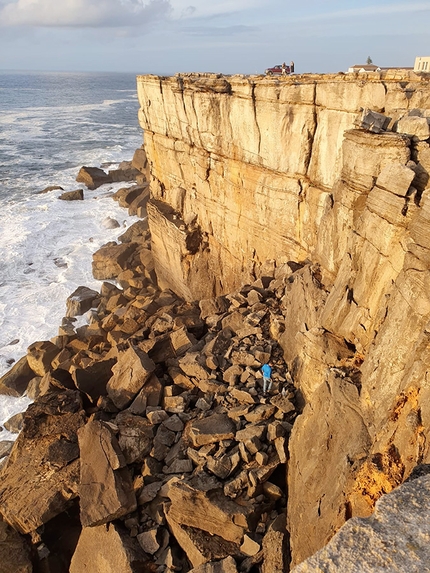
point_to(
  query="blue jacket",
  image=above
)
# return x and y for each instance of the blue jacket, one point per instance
(267, 371)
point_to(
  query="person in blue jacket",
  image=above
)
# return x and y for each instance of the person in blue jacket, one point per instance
(266, 369)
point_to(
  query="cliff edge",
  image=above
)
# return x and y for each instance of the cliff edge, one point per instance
(251, 173)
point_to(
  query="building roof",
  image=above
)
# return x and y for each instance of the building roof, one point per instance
(368, 67)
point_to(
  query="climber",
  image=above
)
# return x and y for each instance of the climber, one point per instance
(266, 369)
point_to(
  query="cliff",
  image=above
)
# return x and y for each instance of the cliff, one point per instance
(252, 175)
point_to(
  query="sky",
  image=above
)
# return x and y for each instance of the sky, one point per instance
(224, 36)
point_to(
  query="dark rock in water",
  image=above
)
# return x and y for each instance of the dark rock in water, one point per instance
(110, 223)
(15, 382)
(77, 195)
(50, 188)
(5, 447)
(93, 177)
(81, 300)
(139, 160)
(14, 424)
(60, 263)
(125, 172)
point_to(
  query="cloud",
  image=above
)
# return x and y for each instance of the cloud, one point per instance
(369, 11)
(82, 13)
(206, 31)
(209, 8)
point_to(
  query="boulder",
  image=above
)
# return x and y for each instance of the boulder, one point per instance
(42, 472)
(199, 546)
(111, 259)
(81, 300)
(126, 195)
(77, 195)
(5, 447)
(40, 356)
(214, 428)
(14, 551)
(93, 177)
(125, 172)
(139, 160)
(417, 127)
(107, 548)
(16, 380)
(110, 223)
(373, 121)
(275, 547)
(227, 565)
(105, 488)
(202, 505)
(135, 437)
(14, 424)
(93, 379)
(130, 373)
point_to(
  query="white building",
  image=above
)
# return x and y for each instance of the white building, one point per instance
(422, 64)
(362, 68)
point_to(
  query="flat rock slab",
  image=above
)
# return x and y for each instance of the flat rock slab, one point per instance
(105, 490)
(210, 511)
(109, 549)
(42, 472)
(212, 429)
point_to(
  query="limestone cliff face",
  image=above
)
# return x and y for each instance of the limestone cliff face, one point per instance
(248, 169)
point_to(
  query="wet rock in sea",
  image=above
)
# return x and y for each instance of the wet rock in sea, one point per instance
(14, 424)
(77, 195)
(93, 177)
(16, 380)
(81, 300)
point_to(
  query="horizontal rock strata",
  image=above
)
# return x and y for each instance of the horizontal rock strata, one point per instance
(328, 173)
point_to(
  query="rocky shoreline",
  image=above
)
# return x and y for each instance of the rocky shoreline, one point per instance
(150, 445)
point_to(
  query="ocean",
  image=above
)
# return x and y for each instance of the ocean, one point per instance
(51, 124)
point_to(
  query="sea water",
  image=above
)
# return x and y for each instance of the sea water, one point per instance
(51, 124)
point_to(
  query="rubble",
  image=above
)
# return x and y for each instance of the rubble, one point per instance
(151, 418)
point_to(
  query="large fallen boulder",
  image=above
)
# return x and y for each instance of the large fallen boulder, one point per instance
(105, 488)
(111, 259)
(93, 177)
(42, 472)
(107, 548)
(16, 380)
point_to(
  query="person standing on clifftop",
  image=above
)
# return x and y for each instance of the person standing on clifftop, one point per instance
(284, 69)
(266, 369)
